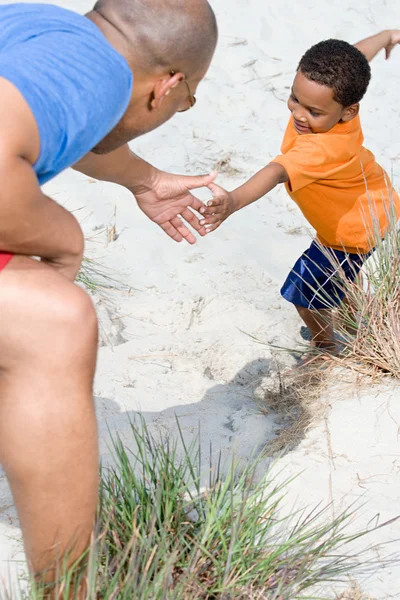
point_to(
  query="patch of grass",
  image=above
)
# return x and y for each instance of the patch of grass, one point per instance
(368, 321)
(97, 278)
(295, 396)
(161, 536)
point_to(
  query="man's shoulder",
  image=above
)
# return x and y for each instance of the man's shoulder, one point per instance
(59, 56)
(21, 21)
(39, 11)
(75, 83)
(59, 31)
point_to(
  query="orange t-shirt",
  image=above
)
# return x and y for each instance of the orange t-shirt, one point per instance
(337, 184)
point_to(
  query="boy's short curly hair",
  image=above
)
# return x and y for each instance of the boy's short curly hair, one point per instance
(340, 66)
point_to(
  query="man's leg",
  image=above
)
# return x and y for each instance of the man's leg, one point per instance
(48, 435)
(321, 327)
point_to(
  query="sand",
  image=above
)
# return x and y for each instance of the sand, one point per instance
(181, 341)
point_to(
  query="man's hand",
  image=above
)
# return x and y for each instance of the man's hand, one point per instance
(167, 201)
(161, 196)
(218, 209)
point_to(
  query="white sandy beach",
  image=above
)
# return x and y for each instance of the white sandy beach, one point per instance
(180, 343)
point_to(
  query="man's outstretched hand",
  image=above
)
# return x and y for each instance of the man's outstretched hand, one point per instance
(167, 200)
(163, 197)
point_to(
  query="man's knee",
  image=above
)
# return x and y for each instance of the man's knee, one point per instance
(69, 307)
(43, 313)
(73, 315)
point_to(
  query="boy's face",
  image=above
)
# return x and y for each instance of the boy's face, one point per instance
(313, 108)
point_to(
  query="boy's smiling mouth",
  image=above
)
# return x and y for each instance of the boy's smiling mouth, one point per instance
(301, 127)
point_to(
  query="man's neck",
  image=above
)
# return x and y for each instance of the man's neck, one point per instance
(110, 31)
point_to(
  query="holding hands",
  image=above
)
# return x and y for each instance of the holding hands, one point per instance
(225, 203)
(167, 201)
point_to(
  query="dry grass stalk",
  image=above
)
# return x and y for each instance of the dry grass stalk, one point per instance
(376, 345)
(296, 396)
(224, 165)
(354, 593)
(368, 321)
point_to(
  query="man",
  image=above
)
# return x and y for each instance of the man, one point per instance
(70, 85)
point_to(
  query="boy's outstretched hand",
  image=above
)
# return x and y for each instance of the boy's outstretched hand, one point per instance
(218, 209)
(394, 40)
(387, 40)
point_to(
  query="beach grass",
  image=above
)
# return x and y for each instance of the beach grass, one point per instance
(163, 535)
(97, 278)
(368, 321)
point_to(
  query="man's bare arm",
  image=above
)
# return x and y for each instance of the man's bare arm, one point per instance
(165, 198)
(384, 40)
(30, 222)
(121, 166)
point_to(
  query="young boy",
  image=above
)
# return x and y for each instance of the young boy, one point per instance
(334, 180)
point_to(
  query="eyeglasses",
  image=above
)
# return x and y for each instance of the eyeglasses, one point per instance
(191, 97)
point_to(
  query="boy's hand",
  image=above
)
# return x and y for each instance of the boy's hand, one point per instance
(387, 39)
(218, 209)
(394, 40)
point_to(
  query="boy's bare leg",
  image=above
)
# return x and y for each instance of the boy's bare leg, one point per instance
(320, 325)
(48, 435)
(347, 319)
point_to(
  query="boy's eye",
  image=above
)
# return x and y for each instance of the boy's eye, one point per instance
(314, 114)
(293, 98)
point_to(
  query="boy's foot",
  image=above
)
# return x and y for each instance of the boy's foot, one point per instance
(312, 359)
(339, 345)
(305, 333)
(316, 356)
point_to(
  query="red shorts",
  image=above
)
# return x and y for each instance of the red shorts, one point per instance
(5, 258)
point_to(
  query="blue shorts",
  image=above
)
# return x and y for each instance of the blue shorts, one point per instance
(314, 282)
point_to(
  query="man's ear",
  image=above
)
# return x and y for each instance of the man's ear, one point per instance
(350, 112)
(162, 88)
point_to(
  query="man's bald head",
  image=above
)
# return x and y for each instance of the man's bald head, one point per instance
(168, 45)
(178, 35)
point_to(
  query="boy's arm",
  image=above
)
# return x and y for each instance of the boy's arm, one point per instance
(225, 203)
(372, 45)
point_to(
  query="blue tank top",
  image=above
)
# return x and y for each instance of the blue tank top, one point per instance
(77, 86)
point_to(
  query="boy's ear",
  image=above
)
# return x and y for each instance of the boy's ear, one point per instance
(162, 88)
(350, 112)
